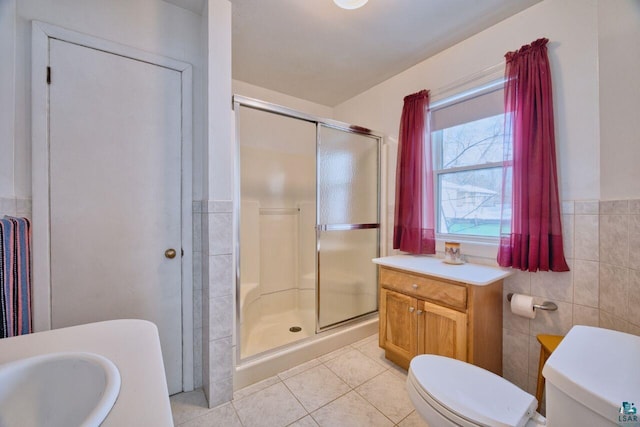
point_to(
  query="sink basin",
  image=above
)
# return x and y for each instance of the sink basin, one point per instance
(58, 389)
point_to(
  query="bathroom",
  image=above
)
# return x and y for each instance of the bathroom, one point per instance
(596, 128)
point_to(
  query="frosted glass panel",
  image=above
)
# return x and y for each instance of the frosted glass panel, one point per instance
(348, 279)
(277, 159)
(347, 177)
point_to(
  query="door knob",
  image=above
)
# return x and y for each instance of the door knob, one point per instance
(170, 253)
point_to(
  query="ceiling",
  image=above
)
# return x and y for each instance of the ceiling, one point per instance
(312, 49)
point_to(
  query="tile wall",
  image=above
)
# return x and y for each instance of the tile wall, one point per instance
(15, 207)
(217, 299)
(602, 247)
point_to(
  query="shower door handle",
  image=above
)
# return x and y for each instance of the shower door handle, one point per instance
(345, 227)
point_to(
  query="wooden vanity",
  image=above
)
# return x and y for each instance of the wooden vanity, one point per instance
(429, 307)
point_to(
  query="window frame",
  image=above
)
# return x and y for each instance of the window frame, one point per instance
(436, 146)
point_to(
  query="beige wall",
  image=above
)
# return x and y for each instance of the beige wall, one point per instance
(594, 56)
(571, 26)
(304, 106)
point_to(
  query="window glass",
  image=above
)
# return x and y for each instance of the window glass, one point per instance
(468, 164)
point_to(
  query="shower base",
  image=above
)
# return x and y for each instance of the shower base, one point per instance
(273, 331)
(265, 365)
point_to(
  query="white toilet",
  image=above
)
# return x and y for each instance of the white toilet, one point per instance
(589, 377)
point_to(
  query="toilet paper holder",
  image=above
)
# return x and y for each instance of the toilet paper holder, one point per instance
(547, 305)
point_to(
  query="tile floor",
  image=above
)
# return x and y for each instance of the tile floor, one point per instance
(350, 387)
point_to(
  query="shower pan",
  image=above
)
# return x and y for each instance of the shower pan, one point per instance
(307, 226)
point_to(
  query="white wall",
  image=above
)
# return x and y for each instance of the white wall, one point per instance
(618, 39)
(220, 119)
(571, 26)
(7, 96)
(150, 25)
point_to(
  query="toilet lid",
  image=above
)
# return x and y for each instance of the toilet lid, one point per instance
(472, 392)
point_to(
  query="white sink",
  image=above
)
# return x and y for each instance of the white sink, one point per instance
(58, 389)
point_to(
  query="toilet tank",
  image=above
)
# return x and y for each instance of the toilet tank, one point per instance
(593, 379)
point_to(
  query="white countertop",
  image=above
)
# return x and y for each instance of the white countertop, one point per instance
(473, 274)
(132, 345)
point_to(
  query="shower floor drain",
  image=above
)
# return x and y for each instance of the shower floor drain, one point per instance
(295, 329)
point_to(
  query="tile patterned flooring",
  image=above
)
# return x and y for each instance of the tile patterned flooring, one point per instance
(350, 387)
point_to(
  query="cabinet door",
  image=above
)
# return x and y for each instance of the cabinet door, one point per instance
(442, 331)
(398, 323)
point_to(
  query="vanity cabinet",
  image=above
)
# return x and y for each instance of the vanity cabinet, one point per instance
(422, 314)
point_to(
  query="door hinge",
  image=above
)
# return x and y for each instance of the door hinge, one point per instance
(48, 75)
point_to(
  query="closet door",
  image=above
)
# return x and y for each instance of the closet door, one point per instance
(115, 193)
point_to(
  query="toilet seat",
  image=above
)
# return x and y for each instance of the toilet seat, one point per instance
(466, 394)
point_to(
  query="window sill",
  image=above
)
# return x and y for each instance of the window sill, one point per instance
(481, 252)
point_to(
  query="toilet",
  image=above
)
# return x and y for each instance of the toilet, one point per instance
(592, 379)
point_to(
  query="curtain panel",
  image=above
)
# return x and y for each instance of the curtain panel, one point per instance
(533, 239)
(414, 229)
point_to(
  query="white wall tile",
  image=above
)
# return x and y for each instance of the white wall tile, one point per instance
(586, 282)
(614, 239)
(633, 314)
(220, 317)
(613, 207)
(614, 285)
(197, 358)
(197, 309)
(220, 359)
(515, 361)
(589, 207)
(7, 206)
(221, 275)
(556, 322)
(219, 206)
(610, 321)
(588, 316)
(554, 286)
(586, 237)
(220, 233)
(634, 224)
(519, 282)
(23, 207)
(568, 235)
(568, 207)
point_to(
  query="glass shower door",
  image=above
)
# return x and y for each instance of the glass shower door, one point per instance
(348, 224)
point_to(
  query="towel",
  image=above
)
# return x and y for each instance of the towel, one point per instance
(15, 277)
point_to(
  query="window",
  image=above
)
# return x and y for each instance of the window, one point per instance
(467, 136)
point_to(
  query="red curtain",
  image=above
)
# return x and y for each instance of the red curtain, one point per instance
(414, 216)
(534, 239)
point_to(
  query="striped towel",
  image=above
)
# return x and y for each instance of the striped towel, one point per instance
(15, 277)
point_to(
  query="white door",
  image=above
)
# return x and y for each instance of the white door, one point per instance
(115, 201)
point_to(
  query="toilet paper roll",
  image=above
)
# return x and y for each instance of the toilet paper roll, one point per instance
(522, 305)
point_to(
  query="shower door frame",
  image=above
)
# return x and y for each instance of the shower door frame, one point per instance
(256, 104)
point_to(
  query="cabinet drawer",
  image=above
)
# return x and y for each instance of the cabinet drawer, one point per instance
(426, 288)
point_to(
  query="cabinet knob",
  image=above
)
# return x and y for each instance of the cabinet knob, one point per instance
(411, 309)
(419, 312)
(414, 286)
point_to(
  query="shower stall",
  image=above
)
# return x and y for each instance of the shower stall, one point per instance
(307, 224)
